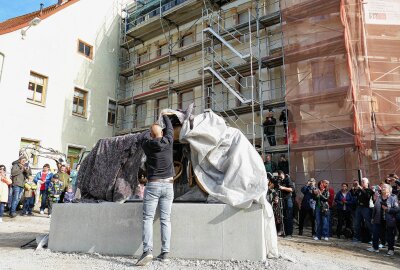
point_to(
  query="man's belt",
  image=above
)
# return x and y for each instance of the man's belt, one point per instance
(165, 180)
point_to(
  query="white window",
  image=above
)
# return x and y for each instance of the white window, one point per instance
(37, 88)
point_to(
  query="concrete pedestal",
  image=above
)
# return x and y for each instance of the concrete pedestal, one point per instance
(199, 231)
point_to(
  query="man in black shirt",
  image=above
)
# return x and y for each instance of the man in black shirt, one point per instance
(159, 189)
(286, 186)
(269, 128)
(363, 211)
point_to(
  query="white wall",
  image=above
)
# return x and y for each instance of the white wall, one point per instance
(50, 49)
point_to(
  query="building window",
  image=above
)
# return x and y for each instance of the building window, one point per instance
(243, 17)
(80, 102)
(112, 110)
(85, 49)
(28, 146)
(323, 76)
(163, 50)
(187, 40)
(140, 113)
(37, 88)
(141, 58)
(162, 103)
(73, 155)
(185, 99)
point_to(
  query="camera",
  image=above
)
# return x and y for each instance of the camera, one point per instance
(274, 179)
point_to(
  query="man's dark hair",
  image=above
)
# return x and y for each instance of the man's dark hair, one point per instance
(2, 166)
(46, 165)
(280, 172)
(345, 184)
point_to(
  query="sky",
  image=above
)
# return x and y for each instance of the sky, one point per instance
(13, 8)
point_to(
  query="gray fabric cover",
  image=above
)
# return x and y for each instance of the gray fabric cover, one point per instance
(109, 172)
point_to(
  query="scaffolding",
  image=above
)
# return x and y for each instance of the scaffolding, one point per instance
(311, 64)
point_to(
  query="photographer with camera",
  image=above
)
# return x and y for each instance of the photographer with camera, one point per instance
(286, 188)
(321, 195)
(20, 171)
(384, 219)
(364, 196)
(307, 206)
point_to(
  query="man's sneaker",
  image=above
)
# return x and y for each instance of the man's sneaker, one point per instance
(41, 212)
(371, 249)
(390, 253)
(326, 238)
(13, 215)
(49, 216)
(23, 214)
(163, 257)
(145, 259)
(356, 241)
(30, 214)
(381, 246)
(316, 238)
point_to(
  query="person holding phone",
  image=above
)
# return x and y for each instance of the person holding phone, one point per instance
(384, 219)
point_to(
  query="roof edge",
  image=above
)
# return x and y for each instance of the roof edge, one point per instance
(42, 17)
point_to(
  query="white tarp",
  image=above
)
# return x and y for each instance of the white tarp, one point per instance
(229, 168)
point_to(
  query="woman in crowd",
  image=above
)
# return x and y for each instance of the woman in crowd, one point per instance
(344, 202)
(384, 219)
(4, 183)
(321, 195)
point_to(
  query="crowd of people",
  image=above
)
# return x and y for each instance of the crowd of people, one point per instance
(44, 189)
(363, 213)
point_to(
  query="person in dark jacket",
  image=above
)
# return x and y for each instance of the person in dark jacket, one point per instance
(269, 128)
(159, 190)
(283, 164)
(321, 195)
(363, 211)
(19, 173)
(55, 189)
(269, 164)
(384, 219)
(307, 206)
(286, 187)
(344, 203)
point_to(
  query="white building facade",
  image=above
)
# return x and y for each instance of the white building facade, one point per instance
(57, 85)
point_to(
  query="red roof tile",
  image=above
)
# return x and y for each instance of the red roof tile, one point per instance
(19, 22)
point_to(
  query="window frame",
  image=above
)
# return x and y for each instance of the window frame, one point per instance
(180, 98)
(80, 147)
(35, 158)
(44, 90)
(108, 111)
(85, 100)
(90, 56)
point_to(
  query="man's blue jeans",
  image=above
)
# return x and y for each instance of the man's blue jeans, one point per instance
(322, 223)
(162, 194)
(43, 204)
(2, 209)
(29, 203)
(288, 215)
(362, 213)
(16, 197)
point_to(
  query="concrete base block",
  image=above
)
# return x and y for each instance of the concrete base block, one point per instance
(199, 231)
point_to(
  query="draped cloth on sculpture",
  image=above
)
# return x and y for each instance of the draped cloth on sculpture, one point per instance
(109, 172)
(229, 168)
